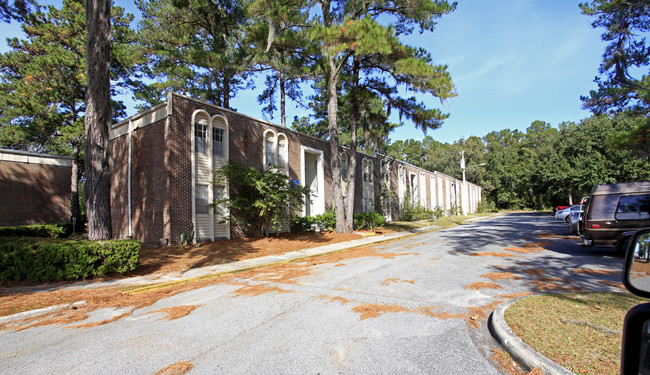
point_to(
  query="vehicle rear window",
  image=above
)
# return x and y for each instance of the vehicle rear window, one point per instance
(633, 207)
(602, 207)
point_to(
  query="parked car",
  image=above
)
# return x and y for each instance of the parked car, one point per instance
(576, 219)
(563, 214)
(614, 212)
(557, 208)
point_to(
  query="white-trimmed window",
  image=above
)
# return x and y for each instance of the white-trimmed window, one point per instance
(201, 200)
(218, 142)
(276, 150)
(401, 181)
(344, 166)
(269, 148)
(385, 187)
(413, 186)
(282, 153)
(368, 185)
(201, 137)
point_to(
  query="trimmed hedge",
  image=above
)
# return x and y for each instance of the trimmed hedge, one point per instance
(39, 230)
(65, 260)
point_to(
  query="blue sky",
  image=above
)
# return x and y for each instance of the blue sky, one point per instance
(512, 62)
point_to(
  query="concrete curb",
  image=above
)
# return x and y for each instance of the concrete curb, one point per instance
(44, 310)
(521, 352)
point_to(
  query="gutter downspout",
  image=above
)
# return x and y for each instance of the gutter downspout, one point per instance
(129, 178)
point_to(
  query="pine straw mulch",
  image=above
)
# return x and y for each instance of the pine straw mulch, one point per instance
(120, 298)
(178, 258)
(178, 368)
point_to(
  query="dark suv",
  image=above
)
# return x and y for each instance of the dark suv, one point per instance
(613, 212)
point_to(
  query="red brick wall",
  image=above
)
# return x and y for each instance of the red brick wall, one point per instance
(162, 172)
(34, 193)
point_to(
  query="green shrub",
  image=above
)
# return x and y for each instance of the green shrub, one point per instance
(39, 230)
(325, 221)
(65, 260)
(368, 220)
(302, 223)
(412, 211)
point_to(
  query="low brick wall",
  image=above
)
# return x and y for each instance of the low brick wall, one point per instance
(34, 188)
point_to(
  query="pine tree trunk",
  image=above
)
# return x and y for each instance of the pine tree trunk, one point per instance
(352, 154)
(283, 115)
(98, 119)
(332, 109)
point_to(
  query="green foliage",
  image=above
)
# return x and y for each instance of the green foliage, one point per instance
(625, 25)
(43, 78)
(38, 230)
(412, 211)
(261, 201)
(195, 47)
(187, 239)
(326, 221)
(368, 220)
(43, 261)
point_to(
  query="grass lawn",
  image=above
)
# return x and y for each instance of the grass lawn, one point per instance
(580, 331)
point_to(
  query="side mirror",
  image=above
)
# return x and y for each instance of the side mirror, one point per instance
(635, 353)
(636, 273)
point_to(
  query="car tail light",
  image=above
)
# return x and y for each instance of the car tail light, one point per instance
(595, 226)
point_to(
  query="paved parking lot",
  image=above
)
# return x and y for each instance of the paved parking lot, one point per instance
(416, 305)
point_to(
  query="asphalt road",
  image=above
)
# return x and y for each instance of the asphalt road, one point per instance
(418, 305)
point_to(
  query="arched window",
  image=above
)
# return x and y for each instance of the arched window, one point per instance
(282, 154)
(276, 150)
(269, 148)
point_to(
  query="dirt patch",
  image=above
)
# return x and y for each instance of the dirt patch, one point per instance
(480, 313)
(493, 254)
(615, 284)
(554, 283)
(522, 250)
(494, 276)
(482, 285)
(176, 312)
(396, 280)
(58, 318)
(514, 295)
(100, 323)
(256, 290)
(588, 271)
(370, 310)
(510, 366)
(534, 271)
(178, 368)
(335, 299)
(429, 311)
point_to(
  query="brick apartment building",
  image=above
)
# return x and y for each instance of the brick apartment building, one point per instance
(34, 188)
(164, 157)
